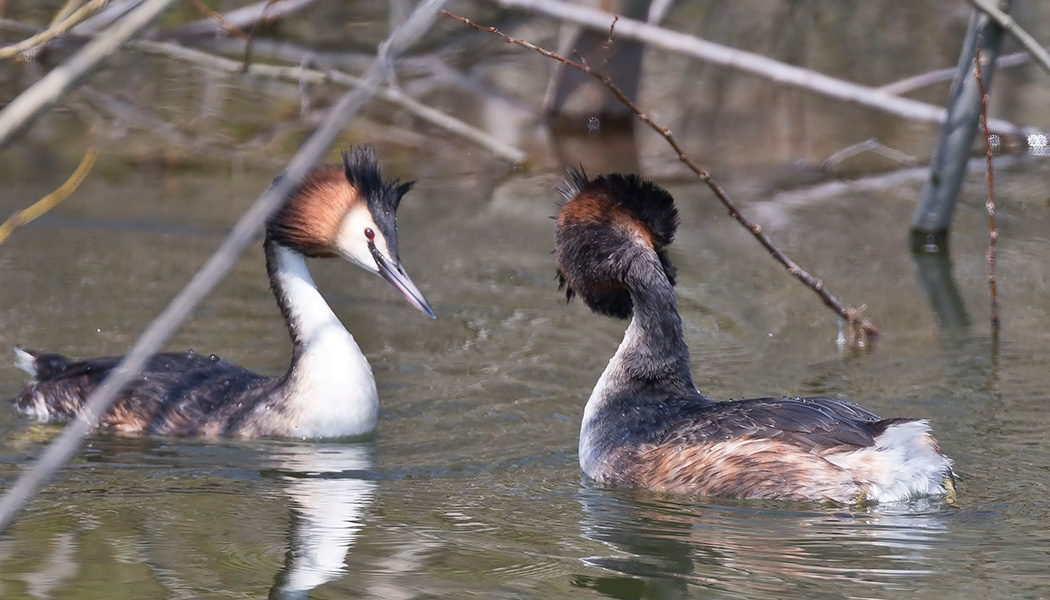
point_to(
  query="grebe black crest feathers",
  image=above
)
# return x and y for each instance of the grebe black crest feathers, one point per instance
(593, 227)
(646, 424)
(345, 210)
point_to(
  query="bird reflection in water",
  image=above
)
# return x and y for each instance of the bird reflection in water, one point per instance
(661, 547)
(331, 492)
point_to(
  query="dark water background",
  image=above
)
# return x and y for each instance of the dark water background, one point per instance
(471, 487)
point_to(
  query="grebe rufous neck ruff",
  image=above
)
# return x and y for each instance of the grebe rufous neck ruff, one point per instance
(647, 426)
(343, 210)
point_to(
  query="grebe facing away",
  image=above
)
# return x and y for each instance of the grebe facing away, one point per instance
(343, 210)
(646, 425)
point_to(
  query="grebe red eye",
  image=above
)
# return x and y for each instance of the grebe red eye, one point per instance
(371, 235)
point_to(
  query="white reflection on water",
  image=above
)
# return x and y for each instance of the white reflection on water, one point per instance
(58, 569)
(330, 501)
(660, 547)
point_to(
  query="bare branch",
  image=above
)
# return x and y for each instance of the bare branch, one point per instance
(51, 200)
(608, 42)
(301, 76)
(869, 145)
(219, 20)
(1010, 26)
(910, 84)
(28, 105)
(114, 11)
(52, 32)
(240, 19)
(67, 9)
(860, 328)
(134, 117)
(748, 62)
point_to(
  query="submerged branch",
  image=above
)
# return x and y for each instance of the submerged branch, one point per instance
(51, 200)
(868, 145)
(931, 221)
(915, 82)
(860, 328)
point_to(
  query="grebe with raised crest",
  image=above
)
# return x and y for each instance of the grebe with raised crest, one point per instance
(345, 210)
(646, 425)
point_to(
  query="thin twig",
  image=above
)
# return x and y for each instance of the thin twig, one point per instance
(860, 327)
(249, 47)
(245, 18)
(67, 9)
(303, 76)
(1010, 26)
(219, 20)
(52, 32)
(29, 104)
(132, 116)
(915, 82)
(300, 76)
(110, 15)
(608, 42)
(51, 200)
(868, 145)
(304, 87)
(993, 234)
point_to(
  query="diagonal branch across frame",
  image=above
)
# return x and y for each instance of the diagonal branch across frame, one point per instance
(860, 328)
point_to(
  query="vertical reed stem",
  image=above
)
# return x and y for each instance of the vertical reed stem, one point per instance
(993, 234)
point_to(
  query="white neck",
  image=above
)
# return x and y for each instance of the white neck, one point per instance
(610, 380)
(330, 389)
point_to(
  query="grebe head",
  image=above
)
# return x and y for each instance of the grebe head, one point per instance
(603, 223)
(348, 210)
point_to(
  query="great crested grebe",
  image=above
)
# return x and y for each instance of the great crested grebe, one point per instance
(343, 210)
(647, 426)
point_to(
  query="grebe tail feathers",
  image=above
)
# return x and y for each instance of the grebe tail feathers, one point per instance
(26, 360)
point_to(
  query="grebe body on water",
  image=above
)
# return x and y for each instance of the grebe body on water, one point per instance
(345, 210)
(647, 426)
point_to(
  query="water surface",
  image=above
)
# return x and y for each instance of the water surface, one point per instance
(470, 487)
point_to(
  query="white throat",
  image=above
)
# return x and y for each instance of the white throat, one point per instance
(331, 391)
